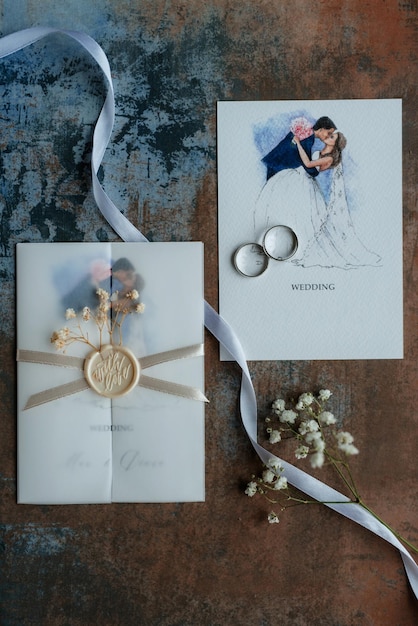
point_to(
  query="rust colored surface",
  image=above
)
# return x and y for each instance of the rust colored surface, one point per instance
(219, 562)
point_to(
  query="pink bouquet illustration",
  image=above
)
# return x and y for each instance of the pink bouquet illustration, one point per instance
(301, 127)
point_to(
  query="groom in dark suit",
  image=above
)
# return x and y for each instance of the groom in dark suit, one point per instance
(285, 155)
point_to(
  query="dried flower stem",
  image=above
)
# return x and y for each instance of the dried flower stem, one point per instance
(108, 317)
(314, 430)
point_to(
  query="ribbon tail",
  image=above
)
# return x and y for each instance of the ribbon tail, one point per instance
(47, 358)
(175, 389)
(171, 355)
(296, 477)
(55, 393)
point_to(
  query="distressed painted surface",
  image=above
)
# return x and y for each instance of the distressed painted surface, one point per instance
(215, 563)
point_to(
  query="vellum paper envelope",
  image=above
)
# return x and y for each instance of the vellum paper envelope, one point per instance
(113, 417)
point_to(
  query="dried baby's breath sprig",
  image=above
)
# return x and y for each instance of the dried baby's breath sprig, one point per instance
(108, 318)
(313, 429)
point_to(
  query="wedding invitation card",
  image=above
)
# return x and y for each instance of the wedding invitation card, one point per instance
(310, 228)
(110, 372)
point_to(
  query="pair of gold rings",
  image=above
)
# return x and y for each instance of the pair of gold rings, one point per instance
(279, 243)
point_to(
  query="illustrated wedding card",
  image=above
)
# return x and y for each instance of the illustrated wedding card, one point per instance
(110, 373)
(310, 228)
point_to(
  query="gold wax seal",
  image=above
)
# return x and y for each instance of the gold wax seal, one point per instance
(112, 372)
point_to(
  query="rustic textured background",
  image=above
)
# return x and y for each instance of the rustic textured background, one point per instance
(214, 563)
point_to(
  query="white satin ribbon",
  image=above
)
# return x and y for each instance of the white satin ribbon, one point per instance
(213, 321)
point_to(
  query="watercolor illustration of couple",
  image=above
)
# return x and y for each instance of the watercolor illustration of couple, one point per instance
(292, 197)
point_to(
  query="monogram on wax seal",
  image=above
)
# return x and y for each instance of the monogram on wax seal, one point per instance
(113, 371)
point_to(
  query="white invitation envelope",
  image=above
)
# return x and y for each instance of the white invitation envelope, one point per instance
(76, 445)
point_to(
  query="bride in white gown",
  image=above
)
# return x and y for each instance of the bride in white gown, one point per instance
(326, 234)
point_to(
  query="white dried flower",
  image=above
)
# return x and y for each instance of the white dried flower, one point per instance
(288, 417)
(278, 405)
(317, 459)
(350, 449)
(70, 314)
(275, 436)
(86, 314)
(301, 452)
(324, 394)
(251, 489)
(139, 308)
(268, 476)
(304, 400)
(326, 418)
(344, 437)
(308, 426)
(313, 437)
(302, 428)
(281, 483)
(276, 465)
(272, 518)
(316, 441)
(345, 443)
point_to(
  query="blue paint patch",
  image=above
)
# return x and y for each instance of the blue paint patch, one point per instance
(163, 145)
(34, 540)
